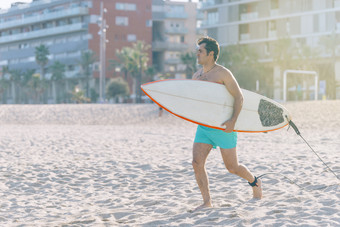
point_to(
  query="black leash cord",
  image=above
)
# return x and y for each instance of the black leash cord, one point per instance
(291, 181)
(298, 133)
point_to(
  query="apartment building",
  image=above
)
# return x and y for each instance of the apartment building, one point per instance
(259, 23)
(69, 28)
(173, 33)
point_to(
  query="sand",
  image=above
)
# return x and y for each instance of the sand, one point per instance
(122, 165)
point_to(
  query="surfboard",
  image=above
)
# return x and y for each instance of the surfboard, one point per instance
(210, 104)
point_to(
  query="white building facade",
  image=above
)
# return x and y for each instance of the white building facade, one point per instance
(259, 23)
(174, 33)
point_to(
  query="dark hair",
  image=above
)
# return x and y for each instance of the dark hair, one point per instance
(210, 45)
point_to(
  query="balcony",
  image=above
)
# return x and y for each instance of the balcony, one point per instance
(274, 12)
(272, 34)
(44, 17)
(176, 15)
(158, 16)
(207, 4)
(163, 46)
(249, 16)
(200, 15)
(207, 23)
(172, 61)
(336, 3)
(245, 36)
(176, 31)
(43, 33)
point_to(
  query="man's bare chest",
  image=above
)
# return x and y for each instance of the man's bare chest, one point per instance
(210, 77)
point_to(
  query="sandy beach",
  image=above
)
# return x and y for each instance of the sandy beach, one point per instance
(122, 165)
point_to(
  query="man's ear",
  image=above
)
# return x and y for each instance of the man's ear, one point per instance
(211, 53)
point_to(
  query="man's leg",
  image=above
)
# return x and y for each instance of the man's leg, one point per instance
(200, 154)
(231, 163)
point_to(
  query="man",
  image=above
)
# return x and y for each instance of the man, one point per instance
(207, 138)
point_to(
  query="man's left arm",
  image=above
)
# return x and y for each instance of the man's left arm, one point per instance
(234, 89)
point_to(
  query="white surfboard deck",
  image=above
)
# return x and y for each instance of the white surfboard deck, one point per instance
(210, 104)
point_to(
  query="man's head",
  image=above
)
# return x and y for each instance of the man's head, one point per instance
(210, 46)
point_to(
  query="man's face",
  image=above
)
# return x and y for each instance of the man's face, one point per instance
(202, 56)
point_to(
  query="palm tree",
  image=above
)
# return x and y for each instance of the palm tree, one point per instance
(37, 86)
(123, 58)
(189, 59)
(4, 83)
(135, 60)
(140, 58)
(25, 79)
(150, 72)
(87, 59)
(58, 75)
(41, 57)
(15, 77)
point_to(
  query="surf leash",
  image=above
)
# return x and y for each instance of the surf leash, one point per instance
(299, 134)
(293, 182)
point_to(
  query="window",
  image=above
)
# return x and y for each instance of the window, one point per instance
(48, 25)
(36, 27)
(74, 38)
(149, 23)
(266, 49)
(48, 42)
(337, 16)
(272, 25)
(274, 4)
(61, 55)
(244, 28)
(182, 39)
(75, 20)
(2, 63)
(3, 49)
(212, 18)
(60, 40)
(15, 31)
(316, 23)
(24, 45)
(126, 6)
(122, 21)
(131, 37)
(62, 22)
(288, 26)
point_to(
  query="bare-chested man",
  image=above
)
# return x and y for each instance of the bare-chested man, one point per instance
(207, 138)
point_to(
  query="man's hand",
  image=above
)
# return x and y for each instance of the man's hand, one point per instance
(229, 126)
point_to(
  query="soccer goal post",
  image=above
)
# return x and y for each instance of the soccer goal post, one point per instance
(289, 71)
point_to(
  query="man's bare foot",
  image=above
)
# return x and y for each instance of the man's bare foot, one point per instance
(257, 190)
(203, 206)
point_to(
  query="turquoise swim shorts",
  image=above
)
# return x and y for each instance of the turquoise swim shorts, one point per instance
(215, 137)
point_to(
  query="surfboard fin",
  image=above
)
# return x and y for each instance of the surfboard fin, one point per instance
(294, 127)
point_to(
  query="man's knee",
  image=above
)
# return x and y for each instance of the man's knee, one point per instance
(196, 164)
(232, 169)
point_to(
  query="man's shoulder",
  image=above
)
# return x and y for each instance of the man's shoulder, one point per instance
(223, 71)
